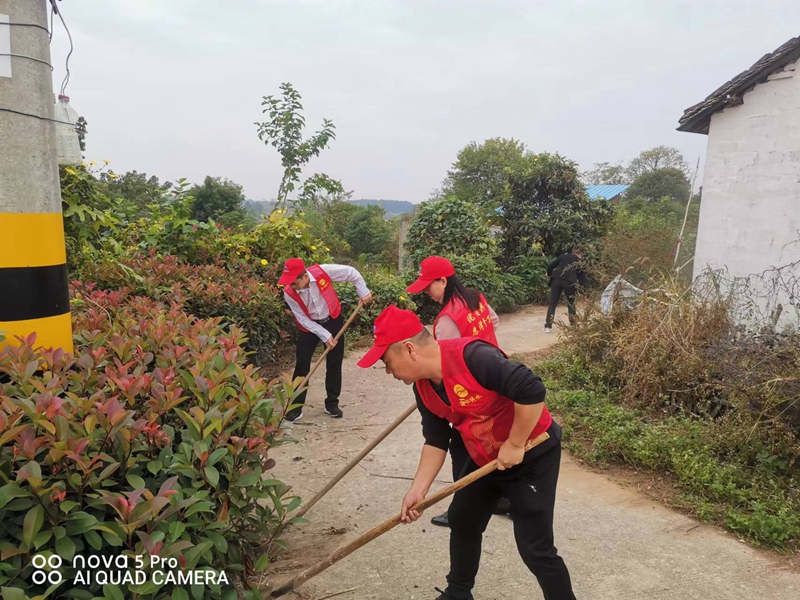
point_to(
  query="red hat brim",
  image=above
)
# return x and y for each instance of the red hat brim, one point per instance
(288, 278)
(374, 355)
(418, 286)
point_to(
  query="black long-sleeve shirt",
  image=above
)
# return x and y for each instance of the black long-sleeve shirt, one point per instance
(493, 371)
(568, 267)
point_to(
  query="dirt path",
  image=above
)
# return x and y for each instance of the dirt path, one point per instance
(617, 543)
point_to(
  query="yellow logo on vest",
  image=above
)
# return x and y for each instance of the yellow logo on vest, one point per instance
(322, 283)
(460, 391)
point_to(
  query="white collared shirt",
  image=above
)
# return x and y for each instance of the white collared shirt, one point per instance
(315, 303)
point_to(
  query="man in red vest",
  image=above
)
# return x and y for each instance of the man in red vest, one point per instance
(497, 405)
(316, 308)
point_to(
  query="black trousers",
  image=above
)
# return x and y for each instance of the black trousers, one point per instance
(531, 489)
(306, 344)
(557, 287)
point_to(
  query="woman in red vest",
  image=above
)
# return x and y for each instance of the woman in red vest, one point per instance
(465, 313)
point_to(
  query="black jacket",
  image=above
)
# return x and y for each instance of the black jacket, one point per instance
(568, 267)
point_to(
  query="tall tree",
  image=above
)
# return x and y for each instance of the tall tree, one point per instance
(215, 198)
(368, 232)
(606, 174)
(137, 188)
(284, 131)
(549, 208)
(652, 186)
(480, 173)
(660, 157)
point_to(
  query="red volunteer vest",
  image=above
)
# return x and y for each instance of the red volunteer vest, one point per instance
(484, 418)
(325, 286)
(471, 324)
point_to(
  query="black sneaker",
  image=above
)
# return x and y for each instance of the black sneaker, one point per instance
(294, 415)
(441, 520)
(333, 410)
(447, 596)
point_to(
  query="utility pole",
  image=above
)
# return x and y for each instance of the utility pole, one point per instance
(33, 272)
(404, 223)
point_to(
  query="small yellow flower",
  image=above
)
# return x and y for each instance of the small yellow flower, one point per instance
(112, 176)
(238, 254)
(84, 165)
(107, 162)
(69, 171)
(402, 297)
(327, 249)
(302, 214)
(228, 245)
(91, 162)
(264, 262)
(314, 248)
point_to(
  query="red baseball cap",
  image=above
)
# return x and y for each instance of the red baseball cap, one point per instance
(392, 325)
(433, 267)
(292, 269)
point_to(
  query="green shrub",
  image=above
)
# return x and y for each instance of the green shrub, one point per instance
(244, 296)
(532, 272)
(151, 440)
(386, 289)
(448, 227)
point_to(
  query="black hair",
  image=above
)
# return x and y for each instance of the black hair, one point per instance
(455, 289)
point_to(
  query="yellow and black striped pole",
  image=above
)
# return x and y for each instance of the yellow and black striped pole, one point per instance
(33, 272)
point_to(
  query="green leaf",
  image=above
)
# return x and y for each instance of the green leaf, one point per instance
(136, 481)
(220, 543)
(68, 505)
(176, 529)
(112, 592)
(94, 539)
(249, 479)
(212, 475)
(216, 455)
(179, 594)
(32, 524)
(154, 466)
(261, 563)
(79, 523)
(193, 555)
(42, 538)
(65, 548)
(13, 594)
(10, 491)
(108, 471)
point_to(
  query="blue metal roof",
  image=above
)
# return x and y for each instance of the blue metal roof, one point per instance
(605, 191)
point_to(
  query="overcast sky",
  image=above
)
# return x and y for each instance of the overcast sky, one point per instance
(173, 87)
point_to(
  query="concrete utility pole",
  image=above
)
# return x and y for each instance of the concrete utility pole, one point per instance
(33, 271)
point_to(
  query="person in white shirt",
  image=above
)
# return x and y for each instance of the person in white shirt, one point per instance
(315, 305)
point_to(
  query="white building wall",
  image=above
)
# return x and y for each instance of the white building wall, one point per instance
(750, 212)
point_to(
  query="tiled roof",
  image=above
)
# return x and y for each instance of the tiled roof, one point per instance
(696, 119)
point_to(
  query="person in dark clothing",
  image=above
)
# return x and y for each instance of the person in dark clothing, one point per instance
(497, 405)
(566, 274)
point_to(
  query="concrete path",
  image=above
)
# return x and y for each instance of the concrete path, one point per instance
(617, 543)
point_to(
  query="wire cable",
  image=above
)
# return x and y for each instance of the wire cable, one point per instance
(24, 114)
(39, 60)
(71, 48)
(26, 25)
